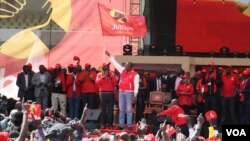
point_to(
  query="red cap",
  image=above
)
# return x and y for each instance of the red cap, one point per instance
(204, 70)
(220, 68)
(4, 136)
(29, 65)
(245, 72)
(210, 115)
(198, 73)
(57, 66)
(104, 64)
(87, 64)
(70, 66)
(236, 71)
(248, 70)
(185, 76)
(211, 63)
(76, 58)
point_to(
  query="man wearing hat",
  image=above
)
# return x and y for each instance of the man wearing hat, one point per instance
(73, 93)
(89, 88)
(106, 81)
(185, 92)
(209, 81)
(58, 94)
(229, 87)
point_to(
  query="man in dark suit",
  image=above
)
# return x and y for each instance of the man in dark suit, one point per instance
(23, 82)
(156, 82)
(42, 81)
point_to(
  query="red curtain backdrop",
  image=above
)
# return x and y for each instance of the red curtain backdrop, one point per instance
(206, 25)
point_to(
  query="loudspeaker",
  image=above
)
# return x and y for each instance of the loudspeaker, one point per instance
(93, 115)
(127, 49)
(93, 119)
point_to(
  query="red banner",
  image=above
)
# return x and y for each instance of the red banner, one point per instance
(205, 25)
(117, 23)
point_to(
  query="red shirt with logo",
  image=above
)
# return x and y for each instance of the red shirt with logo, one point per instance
(230, 83)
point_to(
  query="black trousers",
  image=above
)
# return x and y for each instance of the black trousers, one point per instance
(91, 99)
(107, 107)
(228, 113)
(140, 105)
(211, 102)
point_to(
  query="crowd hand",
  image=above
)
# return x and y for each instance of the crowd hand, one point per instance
(11, 10)
(200, 119)
(142, 126)
(63, 117)
(107, 53)
(84, 114)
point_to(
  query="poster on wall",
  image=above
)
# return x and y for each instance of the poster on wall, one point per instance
(49, 32)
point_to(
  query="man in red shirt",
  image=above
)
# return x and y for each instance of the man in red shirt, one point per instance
(89, 88)
(185, 92)
(229, 87)
(106, 80)
(175, 111)
(73, 93)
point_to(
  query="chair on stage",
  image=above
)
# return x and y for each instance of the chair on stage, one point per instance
(156, 102)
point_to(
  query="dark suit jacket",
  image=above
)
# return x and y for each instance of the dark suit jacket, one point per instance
(153, 84)
(20, 82)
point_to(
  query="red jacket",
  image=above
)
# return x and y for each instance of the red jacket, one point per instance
(201, 89)
(69, 84)
(185, 99)
(88, 85)
(242, 86)
(229, 85)
(210, 76)
(173, 111)
(105, 83)
(127, 80)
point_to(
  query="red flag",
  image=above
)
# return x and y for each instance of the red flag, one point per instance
(117, 23)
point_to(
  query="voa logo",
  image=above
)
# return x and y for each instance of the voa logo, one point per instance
(236, 132)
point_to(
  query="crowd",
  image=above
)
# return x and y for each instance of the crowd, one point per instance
(218, 94)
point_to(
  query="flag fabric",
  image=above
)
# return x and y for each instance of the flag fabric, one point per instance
(117, 23)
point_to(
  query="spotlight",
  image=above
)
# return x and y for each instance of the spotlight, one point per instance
(152, 49)
(235, 53)
(247, 54)
(178, 49)
(127, 49)
(165, 52)
(212, 53)
(224, 51)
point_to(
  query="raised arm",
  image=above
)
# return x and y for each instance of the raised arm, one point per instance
(114, 62)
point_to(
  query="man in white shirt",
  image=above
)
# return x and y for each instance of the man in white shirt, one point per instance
(128, 88)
